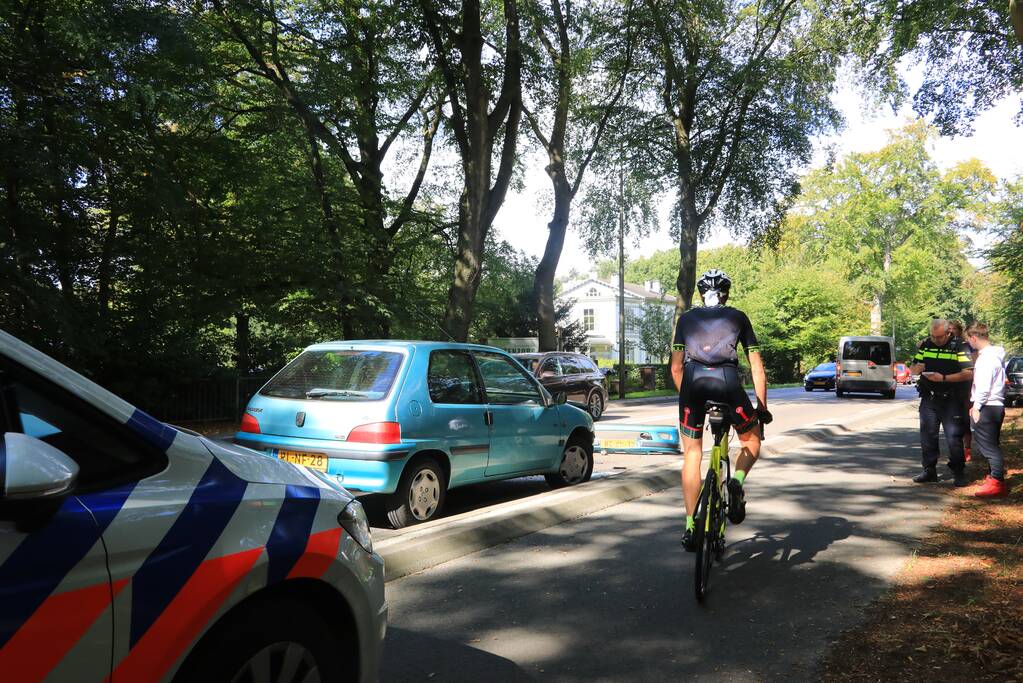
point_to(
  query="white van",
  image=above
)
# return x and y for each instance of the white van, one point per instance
(865, 364)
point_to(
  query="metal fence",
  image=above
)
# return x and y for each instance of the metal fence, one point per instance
(205, 400)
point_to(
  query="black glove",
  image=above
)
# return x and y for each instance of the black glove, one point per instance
(765, 416)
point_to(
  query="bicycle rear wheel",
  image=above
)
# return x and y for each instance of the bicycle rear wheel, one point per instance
(706, 532)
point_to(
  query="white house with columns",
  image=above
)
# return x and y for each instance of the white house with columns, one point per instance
(595, 305)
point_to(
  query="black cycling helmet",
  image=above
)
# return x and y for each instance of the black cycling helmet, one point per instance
(714, 280)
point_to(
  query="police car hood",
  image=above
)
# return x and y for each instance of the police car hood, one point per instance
(259, 469)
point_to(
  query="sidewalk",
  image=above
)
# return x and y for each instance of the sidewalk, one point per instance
(419, 547)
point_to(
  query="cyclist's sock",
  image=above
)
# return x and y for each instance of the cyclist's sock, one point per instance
(690, 522)
(739, 476)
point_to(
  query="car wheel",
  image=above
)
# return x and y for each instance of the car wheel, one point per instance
(576, 465)
(273, 639)
(808, 388)
(889, 394)
(839, 393)
(420, 494)
(595, 405)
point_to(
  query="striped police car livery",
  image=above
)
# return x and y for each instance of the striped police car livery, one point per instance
(126, 577)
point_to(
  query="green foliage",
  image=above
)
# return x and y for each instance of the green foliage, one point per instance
(1006, 257)
(970, 57)
(798, 314)
(655, 330)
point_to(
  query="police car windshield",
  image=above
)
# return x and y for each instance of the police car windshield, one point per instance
(346, 375)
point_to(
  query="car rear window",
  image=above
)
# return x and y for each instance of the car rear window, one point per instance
(348, 375)
(878, 352)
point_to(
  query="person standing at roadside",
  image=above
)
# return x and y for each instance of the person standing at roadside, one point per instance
(945, 375)
(988, 408)
(958, 333)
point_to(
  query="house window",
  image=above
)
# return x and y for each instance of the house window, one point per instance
(631, 319)
(593, 292)
(588, 319)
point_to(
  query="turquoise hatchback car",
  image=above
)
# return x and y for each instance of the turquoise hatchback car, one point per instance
(413, 419)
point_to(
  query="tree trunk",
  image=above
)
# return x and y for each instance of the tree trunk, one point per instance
(330, 226)
(476, 127)
(543, 281)
(877, 303)
(688, 241)
(242, 344)
(1016, 13)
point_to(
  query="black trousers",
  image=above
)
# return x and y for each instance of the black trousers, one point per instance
(986, 436)
(950, 415)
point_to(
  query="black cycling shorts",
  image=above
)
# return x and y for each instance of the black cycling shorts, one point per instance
(702, 383)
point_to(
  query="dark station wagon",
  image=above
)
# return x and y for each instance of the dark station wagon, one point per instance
(572, 374)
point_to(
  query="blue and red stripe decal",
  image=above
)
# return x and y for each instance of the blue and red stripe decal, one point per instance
(45, 557)
(152, 430)
(291, 531)
(187, 543)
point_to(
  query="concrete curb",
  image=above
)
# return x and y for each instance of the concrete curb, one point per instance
(428, 545)
(433, 543)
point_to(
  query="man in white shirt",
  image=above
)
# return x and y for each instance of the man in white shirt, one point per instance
(987, 398)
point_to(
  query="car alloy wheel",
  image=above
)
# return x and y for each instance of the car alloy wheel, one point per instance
(595, 405)
(574, 464)
(424, 495)
(285, 662)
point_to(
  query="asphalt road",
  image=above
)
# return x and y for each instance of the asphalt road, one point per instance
(792, 408)
(609, 596)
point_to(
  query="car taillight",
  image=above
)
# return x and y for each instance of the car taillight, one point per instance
(250, 424)
(376, 432)
(838, 368)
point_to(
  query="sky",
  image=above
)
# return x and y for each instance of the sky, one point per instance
(996, 141)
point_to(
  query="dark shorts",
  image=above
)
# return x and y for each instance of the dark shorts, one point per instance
(701, 383)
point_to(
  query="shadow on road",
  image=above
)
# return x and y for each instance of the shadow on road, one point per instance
(443, 660)
(610, 596)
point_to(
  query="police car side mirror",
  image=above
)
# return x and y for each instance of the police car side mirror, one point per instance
(33, 470)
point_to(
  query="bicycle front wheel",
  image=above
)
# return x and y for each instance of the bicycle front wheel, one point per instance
(706, 532)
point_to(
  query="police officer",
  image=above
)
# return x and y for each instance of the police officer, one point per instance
(946, 373)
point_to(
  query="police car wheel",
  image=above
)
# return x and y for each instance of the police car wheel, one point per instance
(576, 464)
(272, 640)
(419, 496)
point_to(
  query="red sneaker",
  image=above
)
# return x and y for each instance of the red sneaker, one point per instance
(969, 456)
(992, 488)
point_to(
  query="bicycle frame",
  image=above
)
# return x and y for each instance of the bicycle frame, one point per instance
(712, 503)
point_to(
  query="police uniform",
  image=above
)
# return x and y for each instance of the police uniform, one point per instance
(942, 404)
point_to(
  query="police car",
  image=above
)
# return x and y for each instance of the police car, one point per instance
(134, 551)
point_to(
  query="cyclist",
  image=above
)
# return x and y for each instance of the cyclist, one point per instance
(704, 365)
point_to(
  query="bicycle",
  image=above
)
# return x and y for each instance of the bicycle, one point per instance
(710, 515)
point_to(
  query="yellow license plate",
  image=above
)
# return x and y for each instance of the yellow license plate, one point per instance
(316, 461)
(617, 443)
(854, 373)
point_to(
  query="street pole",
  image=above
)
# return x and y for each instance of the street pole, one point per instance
(621, 285)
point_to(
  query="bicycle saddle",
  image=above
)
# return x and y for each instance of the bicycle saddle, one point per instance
(716, 412)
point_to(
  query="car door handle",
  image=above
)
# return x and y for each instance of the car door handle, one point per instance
(488, 417)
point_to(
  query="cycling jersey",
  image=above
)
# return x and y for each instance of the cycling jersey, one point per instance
(712, 334)
(710, 337)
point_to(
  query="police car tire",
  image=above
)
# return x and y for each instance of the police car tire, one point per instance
(399, 513)
(232, 643)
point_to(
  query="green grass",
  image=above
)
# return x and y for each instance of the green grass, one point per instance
(647, 394)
